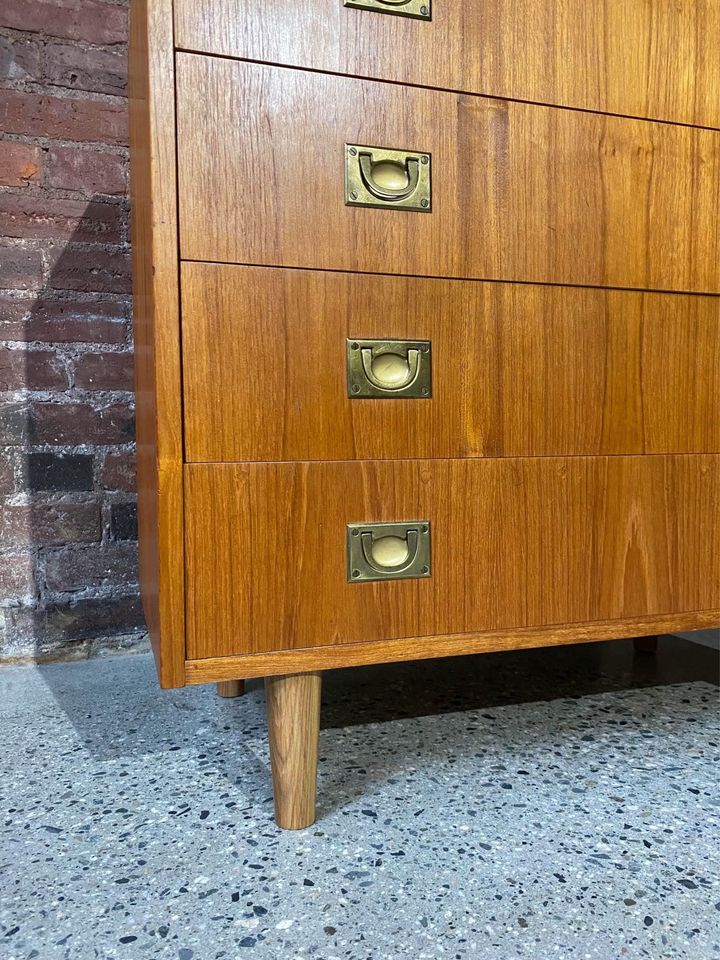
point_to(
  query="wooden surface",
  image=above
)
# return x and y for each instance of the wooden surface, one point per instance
(334, 656)
(293, 712)
(617, 56)
(520, 192)
(265, 372)
(157, 334)
(515, 543)
(229, 689)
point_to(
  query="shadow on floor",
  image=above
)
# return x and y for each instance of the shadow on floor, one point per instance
(428, 687)
(118, 713)
(117, 709)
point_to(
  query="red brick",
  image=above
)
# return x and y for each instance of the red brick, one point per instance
(88, 20)
(77, 568)
(35, 217)
(118, 472)
(50, 523)
(104, 371)
(89, 618)
(63, 321)
(7, 475)
(74, 424)
(62, 118)
(19, 164)
(81, 68)
(14, 424)
(21, 268)
(87, 171)
(31, 369)
(20, 59)
(91, 270)
(17, 577)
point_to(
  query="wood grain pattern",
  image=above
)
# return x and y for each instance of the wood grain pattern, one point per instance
(157, 334)
(334, 656)
(264, 368)
(617, 56)
(516, 543)
(520, 192)
(293, 712)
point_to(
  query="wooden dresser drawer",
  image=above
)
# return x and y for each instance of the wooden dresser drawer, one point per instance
(517, 369)
(607, 55)
(519, 192)
(515, 543)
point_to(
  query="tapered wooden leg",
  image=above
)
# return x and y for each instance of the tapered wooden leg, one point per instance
(645, 644)
(231, 688)
(293, 711)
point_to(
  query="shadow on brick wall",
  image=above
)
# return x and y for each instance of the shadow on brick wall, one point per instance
(69, 527)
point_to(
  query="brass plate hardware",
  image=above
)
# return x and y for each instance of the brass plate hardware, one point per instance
(388, 369)
(385, 178)
(388, 551)
(419, 9)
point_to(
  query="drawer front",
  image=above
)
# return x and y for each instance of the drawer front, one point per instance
(515, 543)
(519, 192)
(617, 56)
(517, 369)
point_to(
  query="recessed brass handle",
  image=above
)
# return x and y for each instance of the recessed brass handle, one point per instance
(388, 179)
(389, 369)
(388, 551)
(418, 9)
(383, 177)
(390, 554)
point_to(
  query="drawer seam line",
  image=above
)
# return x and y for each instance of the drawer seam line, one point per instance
(423, 276)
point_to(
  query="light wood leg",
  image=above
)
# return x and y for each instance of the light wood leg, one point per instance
(645, 644)
(293, 711)
(231, 688)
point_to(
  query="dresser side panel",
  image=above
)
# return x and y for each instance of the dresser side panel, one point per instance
(156, 333)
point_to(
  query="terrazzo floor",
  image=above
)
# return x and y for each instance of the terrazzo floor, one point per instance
(546, 804)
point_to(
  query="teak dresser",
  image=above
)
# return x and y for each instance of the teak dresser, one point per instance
(428, 334)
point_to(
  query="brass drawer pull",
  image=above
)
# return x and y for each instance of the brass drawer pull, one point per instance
(418, 9)
(388, 180)
(381, 177)
(388, 551)
(389, 369)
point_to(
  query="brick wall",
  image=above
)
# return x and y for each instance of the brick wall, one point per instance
(68, 552)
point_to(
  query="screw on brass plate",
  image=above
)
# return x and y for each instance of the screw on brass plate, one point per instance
(423, 159)
(423, 202)
(353, 152)
(400, 8)
(353, 195)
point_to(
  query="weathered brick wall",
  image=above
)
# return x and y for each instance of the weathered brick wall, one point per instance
(68, 576)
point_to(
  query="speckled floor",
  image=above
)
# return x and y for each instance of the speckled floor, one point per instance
(547, 804)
